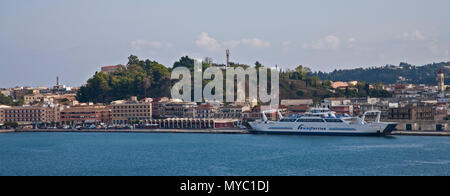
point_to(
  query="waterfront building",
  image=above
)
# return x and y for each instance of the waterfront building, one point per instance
(158, 106)
(29, 115)
(423, 125)
(441, 112)
(179, 109)
(86, 114)
(124, 112)
(194, 123)
(205, 111)
(415, 111)
(234, 111)
(2, 113)
(53, 114)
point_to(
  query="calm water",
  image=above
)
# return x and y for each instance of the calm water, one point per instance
(204, 154)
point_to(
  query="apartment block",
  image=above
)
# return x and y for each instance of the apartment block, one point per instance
(416, 111)
(123, 112)
(2, 114)
(232, 111)
(179, 109)
(29, 115)
(86, 114)
(205, 111)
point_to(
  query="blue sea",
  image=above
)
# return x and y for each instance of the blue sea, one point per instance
(153, 154)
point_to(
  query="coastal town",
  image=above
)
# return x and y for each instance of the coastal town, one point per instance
(413, 107)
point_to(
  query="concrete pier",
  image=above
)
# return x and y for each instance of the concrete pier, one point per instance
(421, 133)
(7, 130)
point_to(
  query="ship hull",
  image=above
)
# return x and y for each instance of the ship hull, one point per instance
(381, 129)
(316, 133)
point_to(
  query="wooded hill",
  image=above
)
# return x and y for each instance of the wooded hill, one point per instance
(391, 74)
(146, 78)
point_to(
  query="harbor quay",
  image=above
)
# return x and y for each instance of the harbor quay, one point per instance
(413, 108)
(193, 123)
(194, 131)
(191, 131)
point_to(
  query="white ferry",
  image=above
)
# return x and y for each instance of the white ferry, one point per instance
(321, 121)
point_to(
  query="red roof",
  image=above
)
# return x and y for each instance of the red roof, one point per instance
(440, 71)
(207, 106)
(110, 66)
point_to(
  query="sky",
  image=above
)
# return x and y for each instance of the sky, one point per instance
(72, 39)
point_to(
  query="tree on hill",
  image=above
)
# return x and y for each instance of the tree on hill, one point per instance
(390, 74)
(9, 101)
(147, 78)
(139, 78)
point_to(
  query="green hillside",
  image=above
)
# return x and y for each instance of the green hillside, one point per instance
(390, 74)
(146, 78)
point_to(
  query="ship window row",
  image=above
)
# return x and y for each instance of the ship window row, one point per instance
(288, 120)
(334, 120)
(312, 120)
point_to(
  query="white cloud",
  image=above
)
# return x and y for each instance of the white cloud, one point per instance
(140, 44)
(206, 42)
(252, 42)
(232, 43)
(255, 42)
(328, 42)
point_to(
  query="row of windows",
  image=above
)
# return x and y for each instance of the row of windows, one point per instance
(130, 111)
(131, 107)
(124, 115)
(22, 120)
(312, 120)
(73, 113)
(22, 111)
(11, 116)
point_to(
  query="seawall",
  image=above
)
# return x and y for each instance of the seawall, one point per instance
(204, 131)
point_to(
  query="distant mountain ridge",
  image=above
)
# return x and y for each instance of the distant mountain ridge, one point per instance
(391, 74)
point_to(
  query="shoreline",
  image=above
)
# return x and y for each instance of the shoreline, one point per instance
(7, 130)
(200, 131)
(421, 133)
(197, 131)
